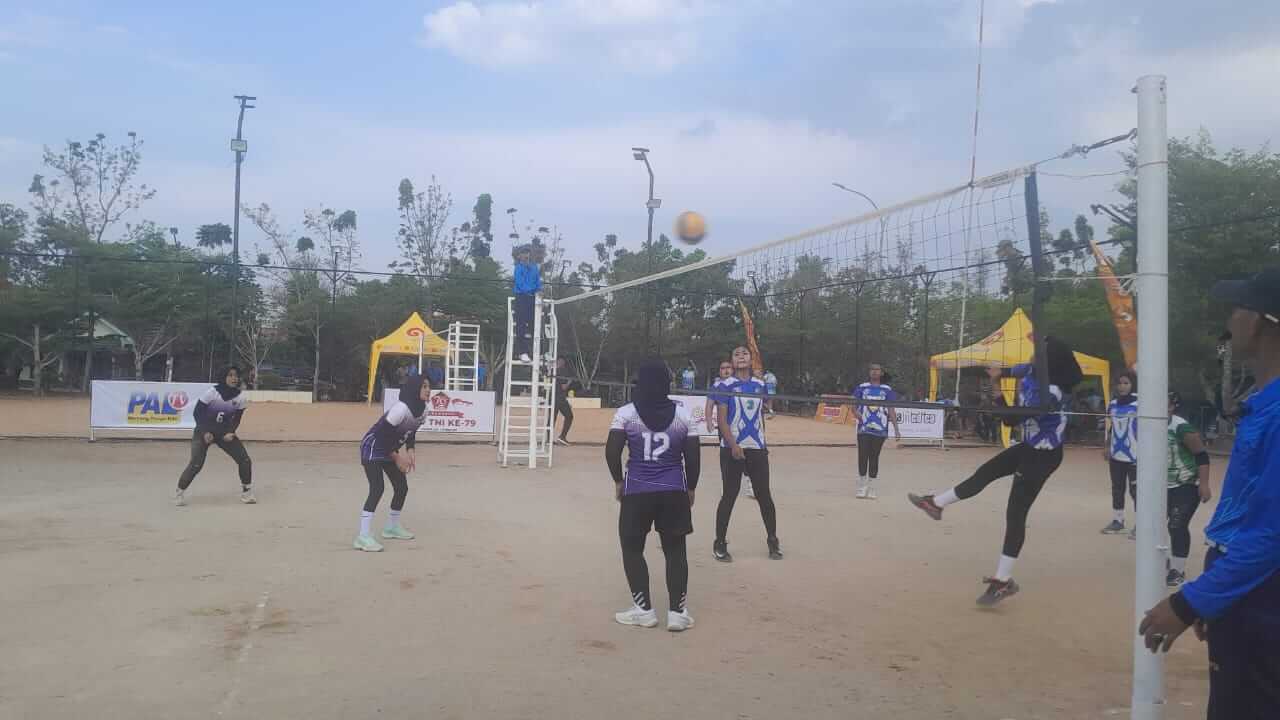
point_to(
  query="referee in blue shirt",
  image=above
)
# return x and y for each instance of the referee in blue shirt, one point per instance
(1236, 602)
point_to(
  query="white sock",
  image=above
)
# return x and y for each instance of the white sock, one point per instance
(946, 498)
(862, 480)
(366, 517)
(393, 519)
(1004, 570)
(1118, 516)
(1179, 564)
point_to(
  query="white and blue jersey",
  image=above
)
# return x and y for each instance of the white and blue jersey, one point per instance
(1123, 444)
(655, 460)
(745, 415)
(874, 419)
(771, 383)
(686, 378)
(1042, 432)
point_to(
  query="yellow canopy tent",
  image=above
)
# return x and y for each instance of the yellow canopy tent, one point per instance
(1006, 347)
(411, 338)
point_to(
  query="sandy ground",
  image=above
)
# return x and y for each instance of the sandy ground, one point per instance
(118, 605)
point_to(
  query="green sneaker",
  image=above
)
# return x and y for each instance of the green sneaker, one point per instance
(397, 532)
(367, 544)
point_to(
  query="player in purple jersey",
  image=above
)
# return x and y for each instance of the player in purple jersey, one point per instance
(1030, 461)
(381, 454)
(656, 491)
(217, 414)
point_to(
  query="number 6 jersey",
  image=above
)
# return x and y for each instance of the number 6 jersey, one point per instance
(655, 460)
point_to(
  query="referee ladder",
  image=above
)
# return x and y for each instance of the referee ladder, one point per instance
(462, 358)
(528, 391)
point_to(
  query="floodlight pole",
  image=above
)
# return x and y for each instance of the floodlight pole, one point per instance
(642, 154)
(1153, 362)
(866, 197)
(239, 147)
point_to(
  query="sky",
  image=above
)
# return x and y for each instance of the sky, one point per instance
(751, 108)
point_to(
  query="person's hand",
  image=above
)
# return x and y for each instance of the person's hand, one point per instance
(690, 497)
(897, 435)
(1161, 626)
(229, 437)
(402, 461)
(208, 438)
(1206, 493)
(617, 491)
(1202, 630)
(1106, 456)
(737, 452)
(413, 459)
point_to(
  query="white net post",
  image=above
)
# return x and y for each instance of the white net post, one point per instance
(1153, 364)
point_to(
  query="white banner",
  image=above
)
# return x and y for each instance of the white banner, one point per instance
(921, 424)
(452, 411)
(697, 406)
(129, 404)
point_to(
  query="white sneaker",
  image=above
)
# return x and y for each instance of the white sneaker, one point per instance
(637, 616)
(679, 621)
(870, 490)
(180, 498)
(246, 496)
(862, 489)
(747, 489)
(524, 357)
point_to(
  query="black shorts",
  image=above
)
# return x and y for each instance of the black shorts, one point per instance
(668, 512)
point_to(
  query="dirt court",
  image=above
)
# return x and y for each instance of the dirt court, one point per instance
(119, 605)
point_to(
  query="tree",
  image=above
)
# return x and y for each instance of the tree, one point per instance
(94, 185)
(213, 236)
(36, 316)
(422, 235)
(13, 233)
(1229, 202)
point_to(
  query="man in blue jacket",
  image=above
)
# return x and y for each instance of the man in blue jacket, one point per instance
(1236, 602)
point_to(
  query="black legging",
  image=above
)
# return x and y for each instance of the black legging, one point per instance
(1181, 505)
(756, 467)
(199, 451)
(524, 324)
(399, 484)
(1030, 469)
(869, 447)
(564, 409)
(676, 552)
(1123, 475)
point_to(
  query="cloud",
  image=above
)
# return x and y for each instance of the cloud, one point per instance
(1003, 20)
(636, 36)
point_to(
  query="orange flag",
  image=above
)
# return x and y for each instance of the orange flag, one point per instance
(757, 362)
(1121, 302)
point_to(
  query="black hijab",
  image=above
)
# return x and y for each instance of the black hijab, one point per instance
(411, 395)
(224, 390)
(1064, 371)
(650, 395)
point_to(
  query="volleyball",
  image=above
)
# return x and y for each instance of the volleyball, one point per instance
(691, 227)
